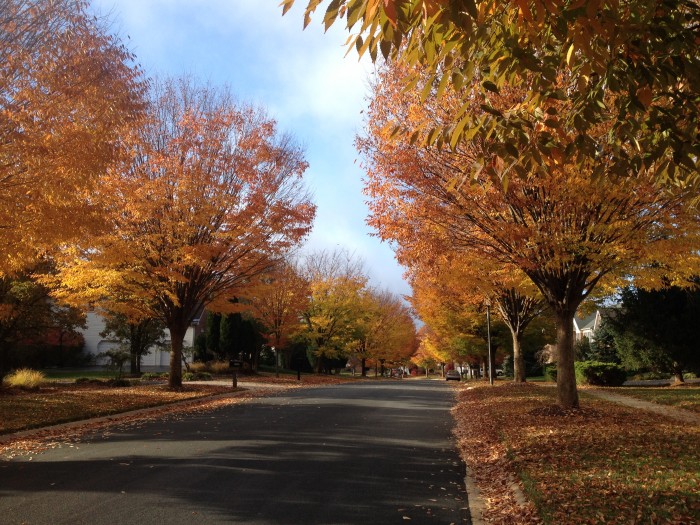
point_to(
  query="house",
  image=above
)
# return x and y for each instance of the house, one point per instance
(585, 326)
(96, 344)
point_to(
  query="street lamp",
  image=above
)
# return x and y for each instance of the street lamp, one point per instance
(488, 336)
(277, 362)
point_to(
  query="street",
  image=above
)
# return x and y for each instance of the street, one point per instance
(366, 452)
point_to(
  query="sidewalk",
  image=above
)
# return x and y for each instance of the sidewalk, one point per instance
(685, 416)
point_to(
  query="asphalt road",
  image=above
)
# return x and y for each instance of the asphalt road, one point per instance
(366, 453)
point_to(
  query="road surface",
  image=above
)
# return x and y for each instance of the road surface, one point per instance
(361, 453)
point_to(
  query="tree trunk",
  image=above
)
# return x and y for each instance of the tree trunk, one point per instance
(363, 362)
(678, 375)
(177, 336)
(518, 358)
(4, 365)
(566, 376)
(134, 362)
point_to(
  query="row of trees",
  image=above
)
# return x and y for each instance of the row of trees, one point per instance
(561, 139)
(325, 303)
(549, 236)
(152, 199)
(550, 148)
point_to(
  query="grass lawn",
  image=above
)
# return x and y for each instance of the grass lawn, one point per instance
(60, 403)
(604, 464)
(686, 396)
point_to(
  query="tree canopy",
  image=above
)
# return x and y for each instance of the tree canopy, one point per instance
(563, 227)
(632, 66)
(69, 94)
(212, 197)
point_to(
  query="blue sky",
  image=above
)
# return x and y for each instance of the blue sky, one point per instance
(304, 80)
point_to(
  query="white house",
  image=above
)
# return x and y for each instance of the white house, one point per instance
(585, 326)
(96, 344)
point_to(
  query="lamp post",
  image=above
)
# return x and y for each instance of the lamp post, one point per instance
(488, 337)
(277, 362)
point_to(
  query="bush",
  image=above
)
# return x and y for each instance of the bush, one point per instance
(199, 366)
(25, 378)
(119, 382)
(89, 380)
(550, 372)
(150, 376)
(600, 374)
(196, 376)
(219, 367)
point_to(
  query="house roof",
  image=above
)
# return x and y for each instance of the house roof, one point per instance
(585, 323)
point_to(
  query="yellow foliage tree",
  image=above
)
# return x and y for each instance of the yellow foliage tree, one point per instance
(337, 283)
(212, 197)
(68, 96)
(563, 228)
(384, 331)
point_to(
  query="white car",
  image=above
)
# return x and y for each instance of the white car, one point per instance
(452, 374)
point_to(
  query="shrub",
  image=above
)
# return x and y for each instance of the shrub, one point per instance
(198, 366)
(150, 376)
(196, 376)
(219, 367)
(89, 380)
(600, 374)
(549, 372)
(25, 378)
(119, 382)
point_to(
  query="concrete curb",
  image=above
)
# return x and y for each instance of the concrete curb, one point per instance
(475, 503)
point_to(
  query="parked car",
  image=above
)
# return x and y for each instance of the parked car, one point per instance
(452, 374)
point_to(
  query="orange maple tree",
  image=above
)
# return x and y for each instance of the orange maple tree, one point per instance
(68, 95)
(277, 299)
(564, 229)
(384, 331)
(212, 198)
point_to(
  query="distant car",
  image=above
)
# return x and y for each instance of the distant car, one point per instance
(452, 374)
(499, 372)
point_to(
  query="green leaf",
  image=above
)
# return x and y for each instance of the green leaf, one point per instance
(569, 54)
(490, 86)
(457, 132)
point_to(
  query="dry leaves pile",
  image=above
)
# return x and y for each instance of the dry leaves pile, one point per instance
(603, 464)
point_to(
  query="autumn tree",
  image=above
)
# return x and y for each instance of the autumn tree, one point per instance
(563, 228)
(277, 299)
(68, 95)
(384, 330)
(632, 66)
(336, 281)
(430, 351)
(466, 282)
(212, 197)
